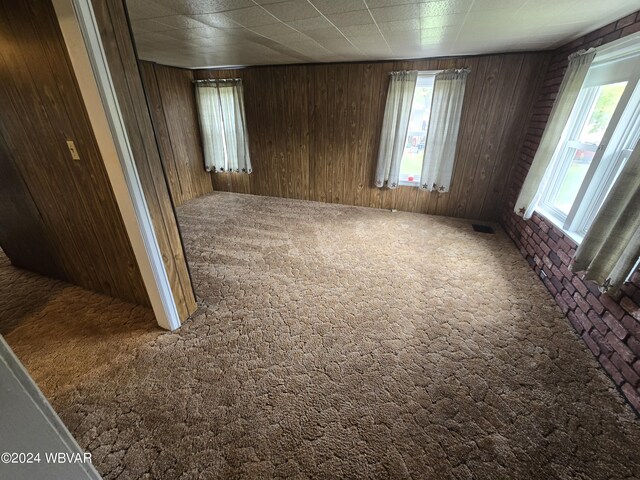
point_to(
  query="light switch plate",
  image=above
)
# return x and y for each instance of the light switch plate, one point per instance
(72, 149)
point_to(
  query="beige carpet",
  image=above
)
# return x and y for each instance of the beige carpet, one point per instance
(332, 342)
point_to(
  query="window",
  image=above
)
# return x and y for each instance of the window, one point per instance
(413, 154)
(223, 126)
(602, 130)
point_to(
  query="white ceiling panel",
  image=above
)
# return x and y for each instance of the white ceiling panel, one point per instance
(216, 33)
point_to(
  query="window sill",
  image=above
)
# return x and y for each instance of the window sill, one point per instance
(576, 237)
(404, 183)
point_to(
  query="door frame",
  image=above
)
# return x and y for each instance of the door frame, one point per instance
(88, 60)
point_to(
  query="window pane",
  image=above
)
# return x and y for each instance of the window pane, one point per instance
(601, 112)
(577, 154)
(411, 163)
(573, 177)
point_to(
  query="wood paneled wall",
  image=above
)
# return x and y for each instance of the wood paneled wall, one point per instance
(58, 215)
(175, 119)
(314, 132)
(112, 21)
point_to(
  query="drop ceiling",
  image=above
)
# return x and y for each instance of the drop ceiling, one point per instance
(216, 33)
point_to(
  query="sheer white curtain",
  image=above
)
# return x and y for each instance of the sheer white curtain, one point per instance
(611, 247)
(537, 177)
(394, 127)
(223, 125)
(442, 133)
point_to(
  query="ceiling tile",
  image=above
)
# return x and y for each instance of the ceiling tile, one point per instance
(180, 22)
(324, 33)
(144, 9)
(149, 26)
(489, 5)
(219, 20)
(368, 29)
(195, 7)
(327, 7)
(251, 17)
(434, 9)
(443, 20)
(397, 12)
(310, 23)
(358, 17)
(197, 33)
(290, 38)
(205, 32)
(399, 26)
(292, 10)
(273, 29)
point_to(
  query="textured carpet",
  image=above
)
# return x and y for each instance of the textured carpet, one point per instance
(331, 342)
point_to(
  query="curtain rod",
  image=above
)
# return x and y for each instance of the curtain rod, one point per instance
(209, 80)
(457, 70)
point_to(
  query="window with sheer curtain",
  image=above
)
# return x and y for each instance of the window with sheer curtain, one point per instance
(223, 125)
(420, 129)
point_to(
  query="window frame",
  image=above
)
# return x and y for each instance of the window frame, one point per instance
(421, 73)
(621, 134)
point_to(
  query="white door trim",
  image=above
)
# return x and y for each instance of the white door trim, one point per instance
(82, 37)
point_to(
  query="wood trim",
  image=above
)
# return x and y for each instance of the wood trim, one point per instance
(117, 41)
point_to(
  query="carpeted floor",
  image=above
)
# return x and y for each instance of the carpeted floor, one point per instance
(331, 342)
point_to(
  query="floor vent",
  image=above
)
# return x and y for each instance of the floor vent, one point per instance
(482, 228)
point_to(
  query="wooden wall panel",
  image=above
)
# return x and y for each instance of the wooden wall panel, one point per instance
(23, 234)
(174, 114)
(314, 132)
(112, 21)
(68, 202)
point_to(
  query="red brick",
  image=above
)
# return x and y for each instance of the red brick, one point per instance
(622, 349)
(575, 322)
(595, 303)
(566, 296)
(616, 327)
(602, 343)
(593, 287)
(630, 29)
(566, 245)
(631, 307)
(634, 345)
(612, 36)
(611, 305)
(551, 288)
(627, 372)
(636, 367)
(593, 346)
(556, 282)
(568, 286)
(578, 283)
(563, 305)
(583, 319)
(597, 322)
(581, 302)
(632, 395)
(628, 20)
(611, 369)
(556, 272)
(632, 326)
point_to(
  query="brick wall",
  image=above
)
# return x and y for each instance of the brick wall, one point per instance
(609, 326)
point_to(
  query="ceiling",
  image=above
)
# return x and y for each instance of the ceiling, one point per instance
(216, 33)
